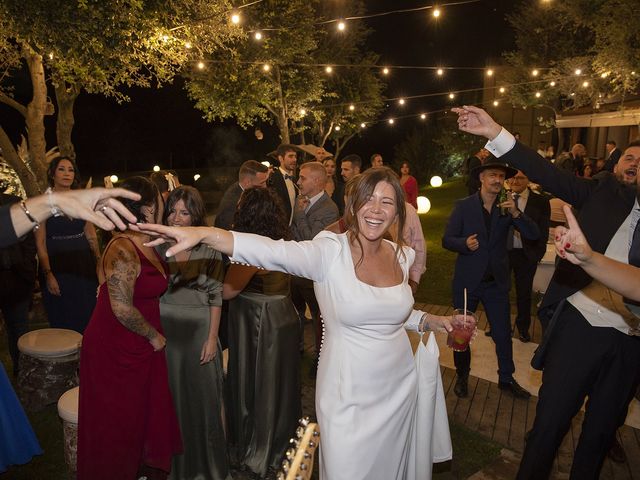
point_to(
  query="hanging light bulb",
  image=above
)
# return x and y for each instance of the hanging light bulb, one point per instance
(538, 94)
(452, 96)
(496, 103)
(436, 12)
(440, 72)
(266, 67)
(156, 168)
(489, 73)
(363, 125)
(196, 177)
(235, 18)
(114, 178)
(257, 36)
(502, 90)
(303, 112)
(585, 84)
(385, 71)
(201, 65)
(535, 72)
(552, 83)
(341, 26)
(401, 101)
(423, 116)
(337, 129)
(391, 121)
(329, 69)
(578, 71)
(352, 107)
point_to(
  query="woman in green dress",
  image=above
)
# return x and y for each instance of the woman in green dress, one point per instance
(190, 315)
(263, 376)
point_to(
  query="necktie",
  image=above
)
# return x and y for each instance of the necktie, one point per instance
(512, 231)
(288, 177)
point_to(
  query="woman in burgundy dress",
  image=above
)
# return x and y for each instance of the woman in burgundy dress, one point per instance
(409, 184)
(127, 421)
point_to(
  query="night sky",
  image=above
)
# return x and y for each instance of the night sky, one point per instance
(162, 127)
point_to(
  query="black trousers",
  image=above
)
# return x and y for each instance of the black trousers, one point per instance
(582, 361)
(523, 272)
(302, 294)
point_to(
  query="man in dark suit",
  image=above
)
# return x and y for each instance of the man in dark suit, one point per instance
(481, 156)
(314, 210)
(251, 174)
(17, 280)
(591, 350)
(477, 230)
(283, 180)
(613, 155)
(524, 254)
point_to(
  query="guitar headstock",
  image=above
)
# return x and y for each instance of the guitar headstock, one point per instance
(298, 464)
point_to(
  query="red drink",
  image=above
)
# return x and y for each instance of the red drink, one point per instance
(461, 335)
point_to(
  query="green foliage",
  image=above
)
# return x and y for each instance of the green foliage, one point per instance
(601, 38)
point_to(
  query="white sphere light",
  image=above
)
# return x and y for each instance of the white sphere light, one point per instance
(436, 181)
(156, 168)
(424, 205)
(196, 177)
(114, 178)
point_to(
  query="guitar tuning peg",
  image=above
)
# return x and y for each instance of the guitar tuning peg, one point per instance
(291, 452)
(281, 476)
(299, 477)
(311, 444)
(307, 455)
(304, 421)
(316, 433)
(303, 466)
(299, 432)
(294, 441)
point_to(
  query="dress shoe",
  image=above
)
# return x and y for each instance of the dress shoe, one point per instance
(525, 337)
(514, 388)
(461, 388)
(616, 453)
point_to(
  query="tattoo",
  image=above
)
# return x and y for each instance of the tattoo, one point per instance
(121, 282)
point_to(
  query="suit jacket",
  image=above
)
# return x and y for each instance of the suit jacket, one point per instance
(612, 159)
(466, 219)
(538, 210)
(17, 260)
(305, 226)
(277, 183)
(227, 208)
(603, 203)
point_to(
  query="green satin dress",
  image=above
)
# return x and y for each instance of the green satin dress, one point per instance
(263, 374)
(197, 390)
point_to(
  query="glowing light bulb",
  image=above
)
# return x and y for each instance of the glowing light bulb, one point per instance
(452, 96)
(51, 56)
(156, 168)
(440, 72)
(187, 45)
(201, 65)
(337, 128)
(489, 73)
(502, 90)
(436, 181)
(363, 125)
(552, 84)
(538, 94)
(604, 75)
(391, 121)
(257, 36)
(578, 71)
(352, 107)
(165, 38)
(303, 112)
(424, 205)
(114, 178)
(436, 12)
(329, 69)
(385, 71)
(266, 67)
(235, 18)
(341, 26)
(535, 72)
(423, 116)
(196, 177)
(401, 101)
(585, 84)
(496, 103)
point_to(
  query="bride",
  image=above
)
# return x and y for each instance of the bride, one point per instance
(366, 384)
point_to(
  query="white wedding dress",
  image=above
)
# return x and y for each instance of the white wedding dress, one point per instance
(366, 385)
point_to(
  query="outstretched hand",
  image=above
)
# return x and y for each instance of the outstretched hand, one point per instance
(97, 205)
(476, 121)
(570, 242)
(184, 237)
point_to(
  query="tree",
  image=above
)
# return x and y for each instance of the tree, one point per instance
(96, 47)
(598, 38)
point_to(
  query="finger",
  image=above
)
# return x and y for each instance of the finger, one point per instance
(114, 218)
(473, 237)
(99, 220)
(120, 192)
(571, 219)
(472, 109)
(155, 242)
(560, 231)
(446, 323)
(122, 210)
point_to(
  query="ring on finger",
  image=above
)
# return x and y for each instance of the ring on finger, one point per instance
(103, 208)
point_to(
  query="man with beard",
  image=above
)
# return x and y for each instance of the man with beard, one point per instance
(591, 347)
(477, 230)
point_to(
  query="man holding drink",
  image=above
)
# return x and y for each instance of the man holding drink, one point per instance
(477, 230)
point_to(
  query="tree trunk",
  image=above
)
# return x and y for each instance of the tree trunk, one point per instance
(282, 118)
(65, 98)
(340, 144)
(36, 110)
(10, 155)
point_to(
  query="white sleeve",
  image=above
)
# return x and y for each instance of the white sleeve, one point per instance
(502, 144)
(413, 322)
(309, 259)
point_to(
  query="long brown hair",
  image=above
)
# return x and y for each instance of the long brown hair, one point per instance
(360, 193)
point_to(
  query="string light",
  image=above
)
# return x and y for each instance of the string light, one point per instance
(257, 36)
(51, 56)
(552, 83)
(328, 69)
(535, 72)
(303, 112)
(391, 121)
(573, 94)
(452, 96)
(114, 178)
(156, 168)
(401, 101)
(201, 65)
(604, 75)
(489, 73)
(502, 90)
(235, 18)
(423, 116)
(341, 26)
(585, 84)
(385, 71)
(196, 177)
(352, 107)
(165, 38)
(440, 72)
(496, 103)
(337, 129)
(266, 67)
(578, 71)
(538, 94)
(187, 45)
(436, 12)
(363, 125)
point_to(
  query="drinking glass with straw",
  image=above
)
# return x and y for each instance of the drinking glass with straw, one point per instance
(461, 335)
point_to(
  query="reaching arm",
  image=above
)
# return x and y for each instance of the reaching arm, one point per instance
(573, 246)
(236, 279)
(122, 267)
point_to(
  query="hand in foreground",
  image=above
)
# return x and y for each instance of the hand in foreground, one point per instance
(158, 342)
(570, 242)
(209, 350)
(97, 205)
(184, 237)
(476, 121)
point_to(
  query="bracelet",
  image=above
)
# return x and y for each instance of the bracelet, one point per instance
(36, 223)
(423, 326)
(55, 210)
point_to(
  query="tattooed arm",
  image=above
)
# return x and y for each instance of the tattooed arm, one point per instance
(92, 238)
(122, 267)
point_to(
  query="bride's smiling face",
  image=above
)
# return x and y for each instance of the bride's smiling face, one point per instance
(378, 213)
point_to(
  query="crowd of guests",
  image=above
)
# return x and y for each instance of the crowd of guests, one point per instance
(153, 392)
